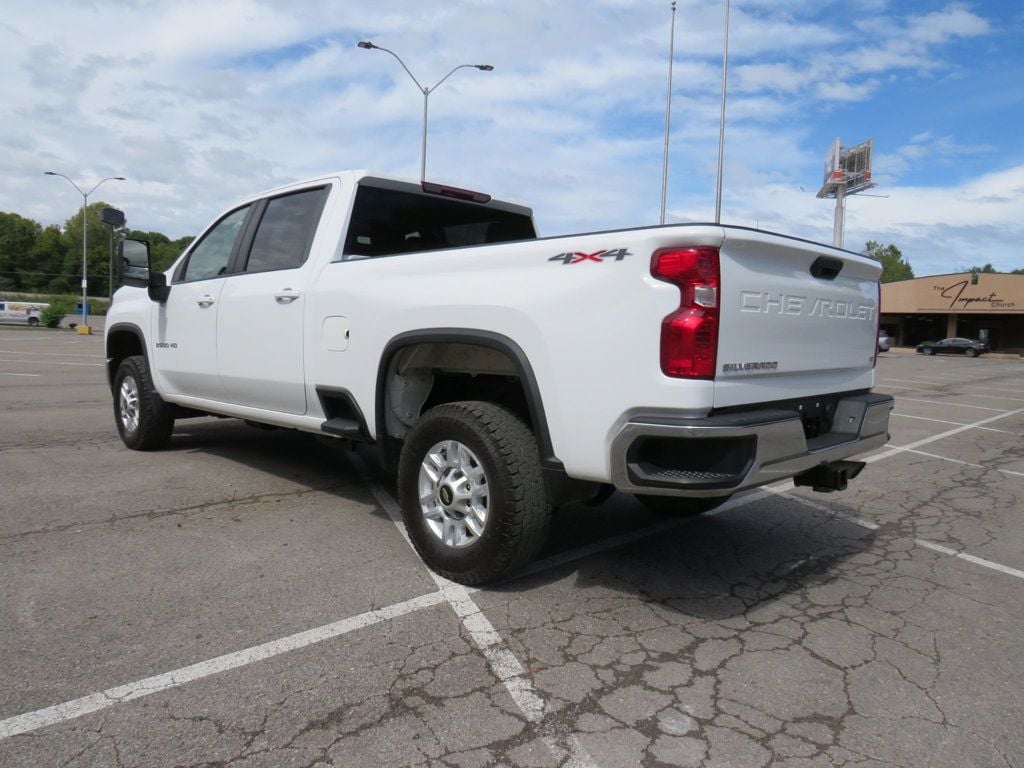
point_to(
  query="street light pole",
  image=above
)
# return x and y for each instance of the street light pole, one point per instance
(85, 263)
(426, 93)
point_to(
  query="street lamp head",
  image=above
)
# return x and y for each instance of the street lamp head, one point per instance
(49, 173)
(120, 178)
(366, 44)
(484, 67)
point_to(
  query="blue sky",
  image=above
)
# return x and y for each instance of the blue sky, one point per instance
(199, 104)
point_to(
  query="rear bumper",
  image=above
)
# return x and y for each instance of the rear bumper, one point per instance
(720, 455)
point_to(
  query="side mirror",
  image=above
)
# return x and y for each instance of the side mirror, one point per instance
(136, 269)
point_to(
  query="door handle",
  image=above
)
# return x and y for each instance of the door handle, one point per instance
(205, 301)
(287, 296)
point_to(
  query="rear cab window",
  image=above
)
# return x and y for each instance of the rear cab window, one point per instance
(390, 218)
(285, 231)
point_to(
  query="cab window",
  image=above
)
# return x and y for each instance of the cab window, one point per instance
(286, 230)
(211, 256)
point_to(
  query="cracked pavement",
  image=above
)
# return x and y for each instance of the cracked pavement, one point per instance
(791, 629)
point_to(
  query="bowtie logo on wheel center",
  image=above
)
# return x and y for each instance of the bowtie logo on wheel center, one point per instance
(446, 495)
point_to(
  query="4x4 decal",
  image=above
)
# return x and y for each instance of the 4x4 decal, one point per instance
(618, 254)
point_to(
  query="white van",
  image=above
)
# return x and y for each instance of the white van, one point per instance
(22, 312)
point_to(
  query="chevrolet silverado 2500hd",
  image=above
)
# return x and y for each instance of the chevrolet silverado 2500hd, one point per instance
(501, 373)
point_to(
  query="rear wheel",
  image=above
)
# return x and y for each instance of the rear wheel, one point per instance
(676, 506)
(33, 321)
(971, 352)
(471, 491)
(143, 420)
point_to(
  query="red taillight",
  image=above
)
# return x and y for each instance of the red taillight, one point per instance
(689, 336)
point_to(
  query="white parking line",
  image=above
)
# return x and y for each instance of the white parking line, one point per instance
(886, 385)
(912, 381)
(1000, 397)
(69, 710)
(3, 373)
(52, 354)
(962, 462)
(997, 389)
(970, 558)
(892, 450)
(956, 405)
(50, 362)
(957, 423)
(502, 661)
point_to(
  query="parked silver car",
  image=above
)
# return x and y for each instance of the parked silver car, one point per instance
(883, 341)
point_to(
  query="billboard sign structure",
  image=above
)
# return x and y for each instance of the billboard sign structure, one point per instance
(847, 169)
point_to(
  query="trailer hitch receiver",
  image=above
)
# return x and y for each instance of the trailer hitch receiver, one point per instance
(829, 477)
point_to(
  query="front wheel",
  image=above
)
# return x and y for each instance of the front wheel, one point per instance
(143, 420)
(471, 491)
(928, 351)
(33, 321)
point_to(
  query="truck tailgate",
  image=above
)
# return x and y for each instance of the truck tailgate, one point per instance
(796, 319)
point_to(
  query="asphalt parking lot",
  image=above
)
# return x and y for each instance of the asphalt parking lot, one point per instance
(245, 598)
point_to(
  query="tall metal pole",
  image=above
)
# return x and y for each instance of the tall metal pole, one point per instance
(110, 269)
(425, 91)
(423, 150)
(85, 252)
(668, 112)
(85, 262)
(839, 224)
(721, 120)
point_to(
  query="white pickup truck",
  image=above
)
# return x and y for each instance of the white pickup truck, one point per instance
(500, 373)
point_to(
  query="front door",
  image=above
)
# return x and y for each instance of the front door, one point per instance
(185, 329)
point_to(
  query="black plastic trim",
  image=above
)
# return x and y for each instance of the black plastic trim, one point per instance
(119, 328)
(325, 394)
(826, 268)
(482, 339)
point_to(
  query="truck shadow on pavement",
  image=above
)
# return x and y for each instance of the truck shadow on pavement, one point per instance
(712, 568)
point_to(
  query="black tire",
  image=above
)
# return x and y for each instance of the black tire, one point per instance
(971, 353)
(153, 423)
(676, 506)
(518, 511)
(928, 351)
(33, 321)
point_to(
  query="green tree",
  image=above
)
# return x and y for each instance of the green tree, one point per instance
(162, 250)
(1017, 271)
(894, 266)
(47, 258)
(98, 250)
(987, 269)
(17, 238)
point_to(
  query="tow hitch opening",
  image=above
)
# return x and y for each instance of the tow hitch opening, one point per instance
(829, 477)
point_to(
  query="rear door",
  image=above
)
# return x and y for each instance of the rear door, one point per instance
(261, 320)
(797, 319)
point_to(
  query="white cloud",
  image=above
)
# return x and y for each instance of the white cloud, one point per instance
(200, 103)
